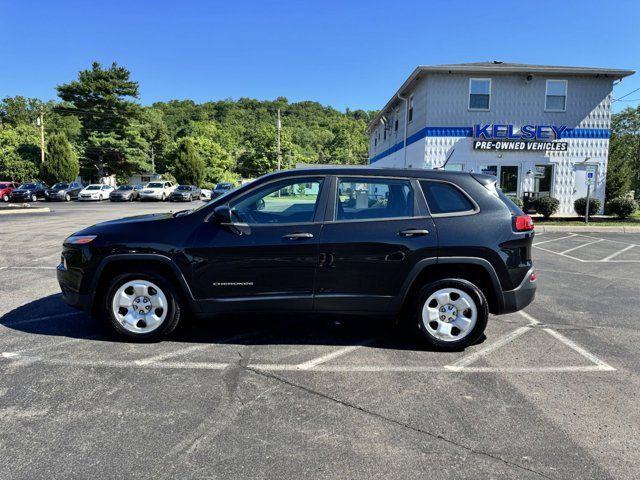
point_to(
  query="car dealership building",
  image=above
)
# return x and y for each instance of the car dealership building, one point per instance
(541, 130)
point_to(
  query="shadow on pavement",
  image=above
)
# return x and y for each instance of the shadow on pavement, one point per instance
(50, 316)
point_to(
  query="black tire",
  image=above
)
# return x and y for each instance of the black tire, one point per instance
(100, 197)
(5, 198)
(67, 198)
(34, 197)
(173, 300)
(164, 197)
(480, 303)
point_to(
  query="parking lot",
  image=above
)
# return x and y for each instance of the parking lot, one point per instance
(552, 392)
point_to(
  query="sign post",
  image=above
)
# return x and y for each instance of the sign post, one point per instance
(590, 179)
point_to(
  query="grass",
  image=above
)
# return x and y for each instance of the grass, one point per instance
(601, 221)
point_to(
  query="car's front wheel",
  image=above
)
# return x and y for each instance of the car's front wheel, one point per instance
(142, 306)
(34, 197)
(67, 198)
(5, 198)
(164, 197)
(451, 314)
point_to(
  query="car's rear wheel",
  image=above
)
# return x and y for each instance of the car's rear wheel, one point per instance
(100, 197)
(142, 306)
(34, 197)
(451, 314)
(67, 198)
(5, 198)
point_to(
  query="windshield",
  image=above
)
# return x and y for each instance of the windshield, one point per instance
(223, 186)
(60, 186)
(93, 187)
(125, 187)
(28, 185)
(184, 187)
(154, 185)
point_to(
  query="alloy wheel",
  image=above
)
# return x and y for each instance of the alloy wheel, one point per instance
(449, 314)
(139, 306)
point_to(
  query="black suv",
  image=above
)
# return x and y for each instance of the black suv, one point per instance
(28, 192)
(438, 249)
(64, 191)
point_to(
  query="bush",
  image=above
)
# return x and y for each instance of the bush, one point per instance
(517, 200)
(546, 206)
(580, 206)
(61, 163)
(622, 207)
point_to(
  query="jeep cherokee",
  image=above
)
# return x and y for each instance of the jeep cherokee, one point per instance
(439, 249)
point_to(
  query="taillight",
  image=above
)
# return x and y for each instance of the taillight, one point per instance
(523, 223)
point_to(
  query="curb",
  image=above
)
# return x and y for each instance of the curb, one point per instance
(585, 229)
(18, 211)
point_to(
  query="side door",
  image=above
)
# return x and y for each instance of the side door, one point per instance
(267, 257)
(375, 231)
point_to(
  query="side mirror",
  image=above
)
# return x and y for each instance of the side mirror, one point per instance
(222, 214)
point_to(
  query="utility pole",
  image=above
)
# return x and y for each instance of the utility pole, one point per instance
(279, 125)
(153, 160)
(40, 123)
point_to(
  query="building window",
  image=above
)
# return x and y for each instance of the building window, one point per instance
(411, 108)
(385, 132)
(375, 142)
(556, 96)
(395, 125)
(479, 93)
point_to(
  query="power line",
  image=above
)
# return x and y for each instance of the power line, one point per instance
(626, 95)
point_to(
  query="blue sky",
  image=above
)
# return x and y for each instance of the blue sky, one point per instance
(341, 53)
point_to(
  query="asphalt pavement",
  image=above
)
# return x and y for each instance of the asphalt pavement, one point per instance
(549, 393)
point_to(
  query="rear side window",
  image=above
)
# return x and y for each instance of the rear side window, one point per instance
(369, 199)
(444, 198)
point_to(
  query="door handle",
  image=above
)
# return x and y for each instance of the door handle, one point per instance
(413, 232)
(298, 236)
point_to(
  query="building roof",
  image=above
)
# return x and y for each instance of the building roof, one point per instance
(500, 68)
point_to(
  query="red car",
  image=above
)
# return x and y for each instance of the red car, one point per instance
(6, 188)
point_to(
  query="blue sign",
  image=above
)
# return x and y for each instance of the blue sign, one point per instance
(543, 133)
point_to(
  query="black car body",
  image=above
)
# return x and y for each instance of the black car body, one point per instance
(125, 193)
(29, 192)
(221, 189)
(335, 240)
(63, 191)
(185, 193)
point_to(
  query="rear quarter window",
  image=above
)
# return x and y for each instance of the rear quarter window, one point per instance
(445, 198)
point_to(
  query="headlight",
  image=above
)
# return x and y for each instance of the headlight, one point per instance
(80, 239)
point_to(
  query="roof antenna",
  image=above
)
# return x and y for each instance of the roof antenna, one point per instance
(441, 167)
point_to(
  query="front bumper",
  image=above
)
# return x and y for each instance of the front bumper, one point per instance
(89, 199)
(151, 196)
(70, 295)
(520, 297)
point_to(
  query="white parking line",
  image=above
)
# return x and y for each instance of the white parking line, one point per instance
(502, 341)
(580, 246)
(41, 319)
(554, 239)
(330, 356)
(615, 254)
(569, 343)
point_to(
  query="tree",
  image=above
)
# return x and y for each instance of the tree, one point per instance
(61, 162)
(188, 166)
(624, 153)
(111, 138)
(19, 152)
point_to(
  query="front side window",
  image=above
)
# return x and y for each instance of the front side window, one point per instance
(556, 96)
(444, 198)
(369, 199)
(289, 201)
(479, 93)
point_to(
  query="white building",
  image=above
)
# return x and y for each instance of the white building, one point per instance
(538, 128)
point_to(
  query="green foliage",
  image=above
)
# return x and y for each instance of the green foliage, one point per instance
(19, 152)
(624, 154)
(61, 162)
(188, 166)
(112, 137)
(622, 207)
(546, 206)
(580, 206)
(517, 200)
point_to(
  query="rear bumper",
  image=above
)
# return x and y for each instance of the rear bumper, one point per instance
(520, 297)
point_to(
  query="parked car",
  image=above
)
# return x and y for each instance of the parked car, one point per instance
(125, 193)
(185, 193)
(221, 189)
(64, 191)
(28, 192)
(158, 190)
(438, 249)
(95, 191)
(6, 188)
(205, 194)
